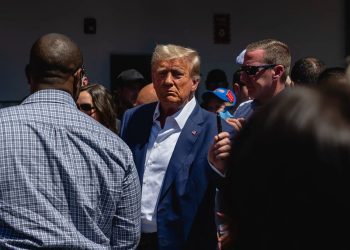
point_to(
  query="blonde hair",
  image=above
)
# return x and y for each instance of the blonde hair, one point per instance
(170, 51)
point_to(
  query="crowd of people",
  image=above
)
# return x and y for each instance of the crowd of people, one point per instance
(261, 165)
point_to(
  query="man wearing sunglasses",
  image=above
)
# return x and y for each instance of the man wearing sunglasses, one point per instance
(66, 181)
(264, 71)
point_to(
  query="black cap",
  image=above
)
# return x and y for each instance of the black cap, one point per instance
(216, 78)
(216, 75)
(130, 76)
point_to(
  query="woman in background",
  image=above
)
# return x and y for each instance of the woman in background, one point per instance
(96, 101)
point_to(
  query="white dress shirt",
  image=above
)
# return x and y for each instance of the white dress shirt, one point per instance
(159, 151)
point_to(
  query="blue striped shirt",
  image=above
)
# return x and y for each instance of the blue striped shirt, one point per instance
(66, 181)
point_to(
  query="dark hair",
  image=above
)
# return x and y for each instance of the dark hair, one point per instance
(306, 70)
(216, 78)
(333, 75)
(53, 57)
(237, 78)
(287, 184)
(129, 76)
(103, 102)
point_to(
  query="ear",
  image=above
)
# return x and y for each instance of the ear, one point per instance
(279, 70)
(76, 84)
(195, 82)
(77, 73)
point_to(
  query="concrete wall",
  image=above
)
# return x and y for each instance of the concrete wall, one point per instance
(136, 26)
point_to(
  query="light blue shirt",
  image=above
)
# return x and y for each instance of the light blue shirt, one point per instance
(66, 181)
(245, 109)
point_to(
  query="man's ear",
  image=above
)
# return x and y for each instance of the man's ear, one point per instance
(195, 81)
(77, 82)
(279, 70)
(27, 72)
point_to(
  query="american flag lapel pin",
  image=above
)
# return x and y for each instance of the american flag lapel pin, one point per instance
(194, 132)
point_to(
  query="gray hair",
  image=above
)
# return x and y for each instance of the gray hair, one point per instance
(170, 51)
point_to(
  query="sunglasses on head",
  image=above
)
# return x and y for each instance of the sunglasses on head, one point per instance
(252, 70)
(85, 107)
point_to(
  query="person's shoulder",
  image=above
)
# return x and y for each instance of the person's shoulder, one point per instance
(140, 111)
(205, 112)
(6, 111)
(243, 109)
(201, 115)
(142, 107)
(13, 113)
(101, 137)
(97, 136)
(245, 103)
(134, 117)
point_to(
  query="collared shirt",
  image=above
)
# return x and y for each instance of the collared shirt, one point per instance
(245, 109)
(160, 149)
(225, 114)
(66, 181)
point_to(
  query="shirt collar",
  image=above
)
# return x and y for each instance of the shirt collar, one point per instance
(51, 96)
(180, 116)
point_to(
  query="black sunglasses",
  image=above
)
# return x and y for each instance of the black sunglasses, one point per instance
(85, 107)
(252, 70)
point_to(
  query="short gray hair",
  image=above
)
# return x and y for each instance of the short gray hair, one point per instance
(170, 51)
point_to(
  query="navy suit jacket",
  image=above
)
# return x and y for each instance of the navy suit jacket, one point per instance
(185, 211)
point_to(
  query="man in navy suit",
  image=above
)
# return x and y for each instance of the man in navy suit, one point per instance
(170, 141)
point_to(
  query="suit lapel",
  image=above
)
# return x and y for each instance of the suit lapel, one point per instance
(182, 155)
(144, 123)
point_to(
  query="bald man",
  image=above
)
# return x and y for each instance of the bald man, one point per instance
(146, 95)
(66, 181)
